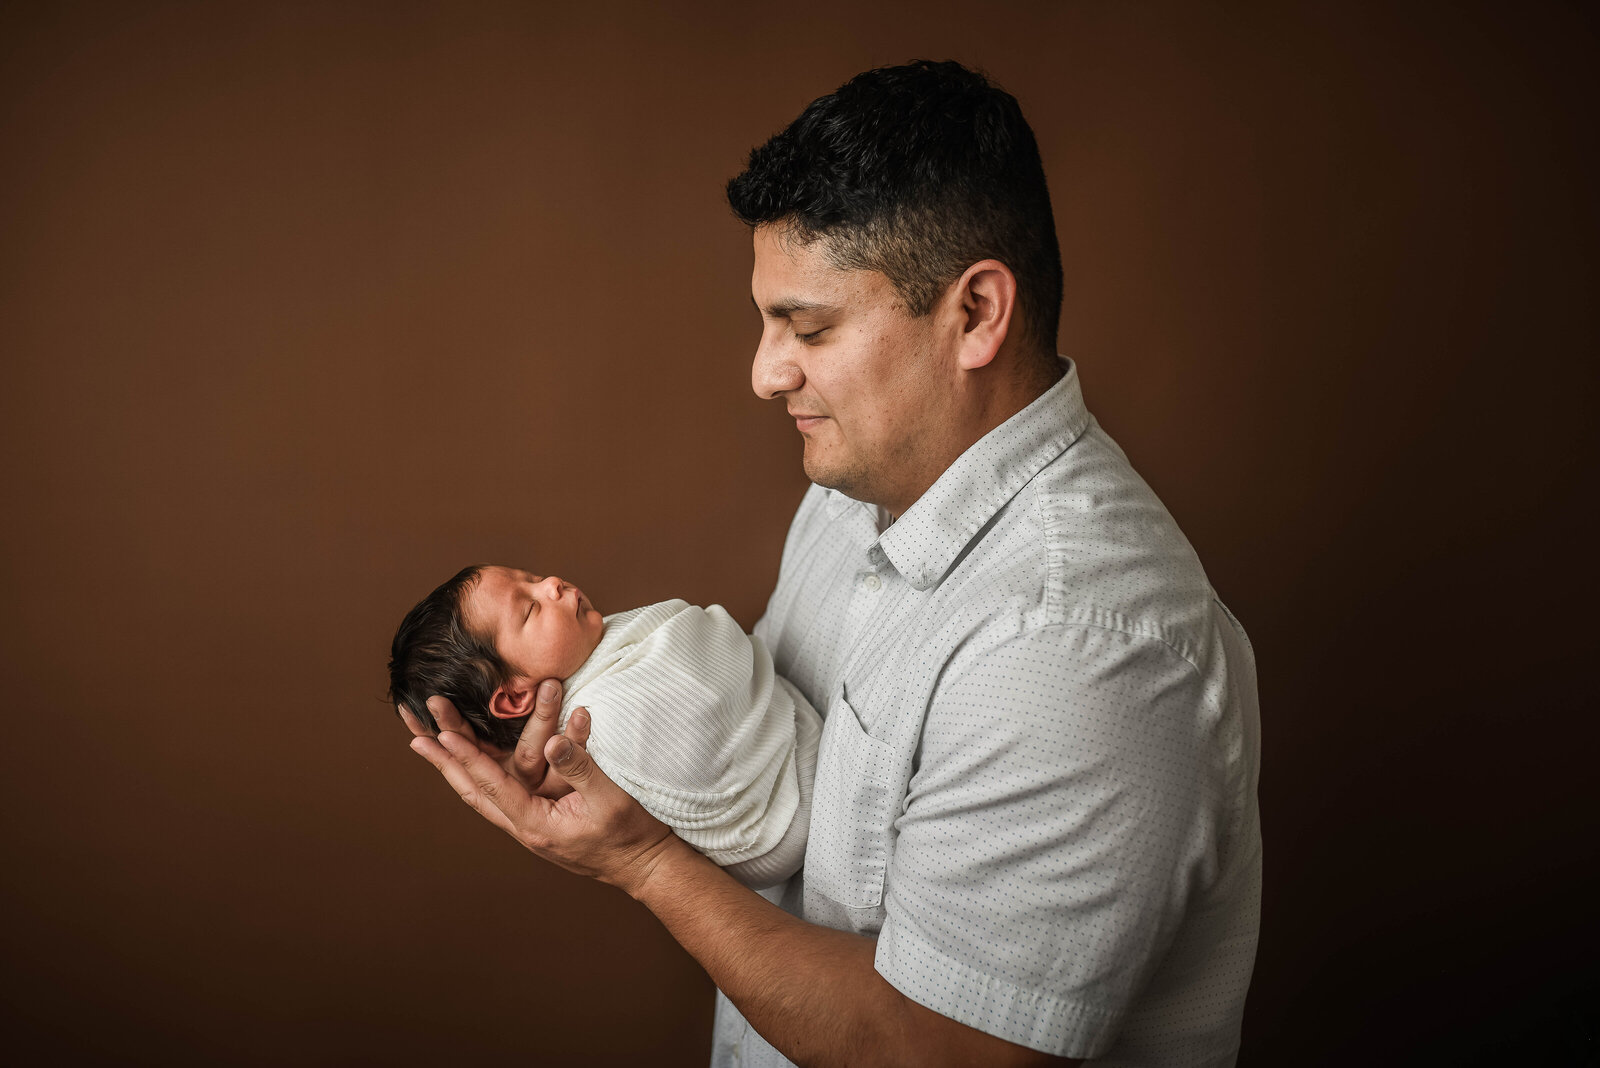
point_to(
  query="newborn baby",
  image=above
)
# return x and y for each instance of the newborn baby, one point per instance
(686, 712)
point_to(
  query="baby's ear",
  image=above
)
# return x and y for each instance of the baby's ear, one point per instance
(513, 700)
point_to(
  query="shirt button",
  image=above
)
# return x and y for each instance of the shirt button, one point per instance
(874, 583)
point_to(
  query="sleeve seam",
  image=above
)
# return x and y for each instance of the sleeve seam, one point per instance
(1109, 621)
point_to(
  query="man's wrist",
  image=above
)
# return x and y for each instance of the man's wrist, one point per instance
(656, 868)
(653, 867)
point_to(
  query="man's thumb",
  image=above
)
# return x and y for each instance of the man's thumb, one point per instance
(570, 759)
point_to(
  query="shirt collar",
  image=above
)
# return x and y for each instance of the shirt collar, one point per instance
(925, 541)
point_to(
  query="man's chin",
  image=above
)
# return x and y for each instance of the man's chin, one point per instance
(830, 476)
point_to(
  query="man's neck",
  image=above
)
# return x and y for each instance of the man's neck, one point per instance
(1003, 401)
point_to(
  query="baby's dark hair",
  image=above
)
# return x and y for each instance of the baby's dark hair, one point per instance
(435, 653)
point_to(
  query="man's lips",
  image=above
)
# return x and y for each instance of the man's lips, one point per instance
(805, 421)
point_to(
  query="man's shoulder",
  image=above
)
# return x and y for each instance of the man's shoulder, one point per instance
(1095, 546)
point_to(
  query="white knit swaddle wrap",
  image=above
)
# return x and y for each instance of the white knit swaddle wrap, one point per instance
(688, 716)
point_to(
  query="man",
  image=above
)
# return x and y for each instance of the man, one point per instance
(1034, 835)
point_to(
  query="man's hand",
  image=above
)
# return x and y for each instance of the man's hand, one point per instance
(593, 829)
(753, 950)
(527, 762)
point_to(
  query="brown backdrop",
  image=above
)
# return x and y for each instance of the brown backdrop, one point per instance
(304, 306)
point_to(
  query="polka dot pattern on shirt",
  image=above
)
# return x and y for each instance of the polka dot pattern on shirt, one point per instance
(1036, 782)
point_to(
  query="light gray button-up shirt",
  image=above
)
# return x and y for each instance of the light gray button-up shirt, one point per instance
(1037, 777)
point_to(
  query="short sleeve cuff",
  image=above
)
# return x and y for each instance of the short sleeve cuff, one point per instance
(1049, 1024)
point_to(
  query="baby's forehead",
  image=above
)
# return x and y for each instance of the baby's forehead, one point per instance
(497, 578)
(498, 582)
(496, 587)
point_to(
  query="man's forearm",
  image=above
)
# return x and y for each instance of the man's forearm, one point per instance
(810, 991)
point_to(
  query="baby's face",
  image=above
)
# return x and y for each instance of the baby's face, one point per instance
(543, 627)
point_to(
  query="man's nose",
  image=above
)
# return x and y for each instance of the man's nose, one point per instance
(773, 372)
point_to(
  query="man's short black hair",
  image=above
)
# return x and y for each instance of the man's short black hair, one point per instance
(434, 652)
(917, 172)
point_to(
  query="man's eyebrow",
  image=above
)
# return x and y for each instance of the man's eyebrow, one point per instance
(786, 309)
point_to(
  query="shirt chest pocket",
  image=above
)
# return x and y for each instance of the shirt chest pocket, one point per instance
(854, 802)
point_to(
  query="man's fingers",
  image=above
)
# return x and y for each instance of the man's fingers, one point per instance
(411, 721)
(445, 715)
(461, 781)
(524, 813)
(528, 762)
(553, 784)
(578, 726)
(574, 764)
(547, 702)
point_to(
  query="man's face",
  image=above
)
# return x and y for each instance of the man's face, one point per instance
(870, 387)
(544, 628)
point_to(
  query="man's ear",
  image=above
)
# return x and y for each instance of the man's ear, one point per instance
(514, 700)
(987, 292)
